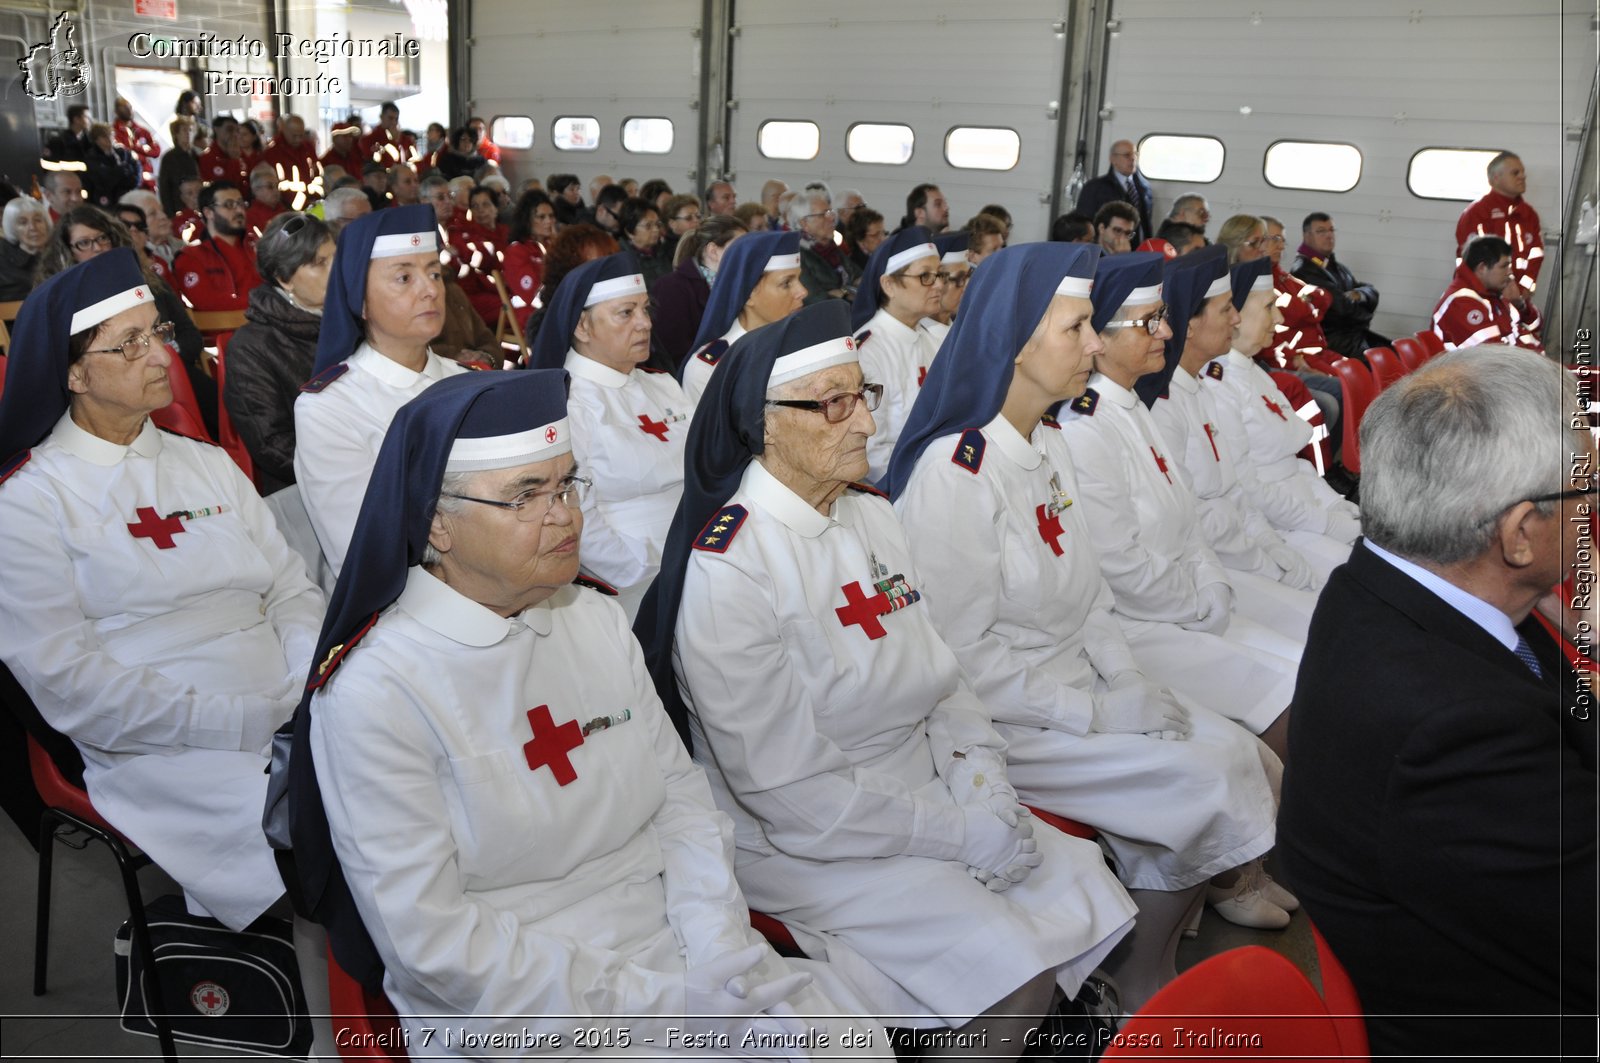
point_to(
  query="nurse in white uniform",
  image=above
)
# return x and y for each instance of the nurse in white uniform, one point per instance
(628, 421)
(150, 608)
(758, 282)
(513, 834)
(1263, 430)
(385, 304)
(899, 293)
(867, 786)
(1013, 585)
(955, 269)
(1268, 577)
(1170, 592)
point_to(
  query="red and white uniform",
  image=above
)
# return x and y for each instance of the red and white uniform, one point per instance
(1514, 221)
(476, 249)
(189, 225)
(1303, 306)
(489, 150)
(388, 148)
(216, 165)
(259, 214)
(297, 168)
(142, 143)
(352, 160)
(217, 275)
(1468, 315)
(523, 268)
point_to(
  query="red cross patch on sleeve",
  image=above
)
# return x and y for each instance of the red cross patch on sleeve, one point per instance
(720, 529)
(969, 450)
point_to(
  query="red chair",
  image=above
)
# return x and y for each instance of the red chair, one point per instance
(1247, 1003)
(1431, 342)
(1358, 391)
(229, 438)
(1411, 351)
(1344, 1005)
(374, 1030)
(183, 416)
(1387, 368)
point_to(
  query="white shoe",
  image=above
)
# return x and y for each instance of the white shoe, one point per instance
(1243, 904)
(1277, 894)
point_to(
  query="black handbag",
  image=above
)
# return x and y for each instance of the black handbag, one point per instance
(231, 989)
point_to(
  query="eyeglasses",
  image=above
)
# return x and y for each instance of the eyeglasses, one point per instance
(1571, 493)
(695, 217)
(531, 507)
(132, 350)
(1279, 240)
(956, 280)
(227, 204)
(840, 408)
(830, 214)
(131, 226)
(1151, 324)
(101, 242)
(927, 280)
(1119, 231)
(649, 226)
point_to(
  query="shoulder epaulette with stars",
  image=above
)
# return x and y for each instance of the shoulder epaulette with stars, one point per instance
(866, 334)
(720, 529)
(9, 469)
(476, 366)
(337, 654)
(595, 584)
(323, 379)
(712, 352)
(1050, 422)
(969, 450)
(866, 489)
(1085, 403)
(1214, 370)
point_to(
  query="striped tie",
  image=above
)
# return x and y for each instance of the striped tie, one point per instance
(1525, 652)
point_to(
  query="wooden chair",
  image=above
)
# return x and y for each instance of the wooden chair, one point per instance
(507, 323)
(8, 314)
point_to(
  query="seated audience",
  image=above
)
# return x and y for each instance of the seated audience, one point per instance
(680, 214)
(926, 208)
(955, 269)
(266, 201)
(1074, 228)
(188, 222)
(133, 220)
(386, 143)
(26, 226)
(721, 198)
(825, 269)
(753, 216)
(346, 202)
(129, 134)
(572, 247)
(218, 271)
(772, 193)
(640, 226)
(224, 160)
(1190, 208)
(986, 234)
(567, 192)
(1122, 182)
(178, 164)
(346, 151)
(1503, 212)
(1484, 303)
(681, 295)
(1347, 321)
(484, 209)
(1181, 237)
(660, 193)
(847, 202)
(464, 336)
(862, 235)
(110, 168)
(759, 282)
(607, 213)
(273, 354)
(1114, 226)
(63, 190)
(293, 156)
(375, 184)
(70, 146)
(163, 243)
(867, 787)
(404, 186)
(1439, 816)
(533, 228)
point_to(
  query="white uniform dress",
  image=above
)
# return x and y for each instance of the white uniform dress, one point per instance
(338, 430)
(822, 727)
(697, 370)
(1015, 589)
(898, 358)
(628, 431)
(1146, 532)
(510, 869)
(1261, 426)
(1229, 523)
(167, 641)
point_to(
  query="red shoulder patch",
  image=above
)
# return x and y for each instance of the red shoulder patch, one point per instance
(969, 450)
(649, 369)
(337, 654)
(317, 383)
(1084, 404)
(712, 352)
(1050, 422)
(867, 489)
(1214, 370)
(720, 529)
(595, 584)
(16, 462)
(866, 334)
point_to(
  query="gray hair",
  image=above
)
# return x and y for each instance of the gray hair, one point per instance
(433, 180)
(334, 205)
(142, 198)
(11, 220)
(846, 193)
(795, 211)
(820, 188)
(453, 483)
(1452, 446)
(1184, 202)
(279, 254)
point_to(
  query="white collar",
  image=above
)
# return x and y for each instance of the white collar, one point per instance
(581, 365)
(885, 320)
(770, 493)
(1107, 388)
(1239, 359)
(436, 605)
(81, 443)
(392, 372)
(1471, 606)
(1186, 380)
(1010, 442)
(735, 330)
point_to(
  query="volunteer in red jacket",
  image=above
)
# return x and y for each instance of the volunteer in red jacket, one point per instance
(1477, 307)
(218, 272)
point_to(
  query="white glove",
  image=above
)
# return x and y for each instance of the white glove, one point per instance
(1296, 572)
(1216, 609)
(998, 855)
(1134, 705)
(1343, 527)
(722, 989)
(978, 780)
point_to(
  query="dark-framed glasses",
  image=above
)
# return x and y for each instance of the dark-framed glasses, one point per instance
(1569, 494)
(840, 408)
(531, 507)
(957, 279)
(132, 350)
(99, 242)
(1151, 324)
(927, 280)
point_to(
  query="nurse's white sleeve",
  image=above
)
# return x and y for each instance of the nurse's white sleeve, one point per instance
(377, 762)
(294, 606)
(333, 460)
(79, 688)
(610, 551)
(1284, 506)
(759, 722)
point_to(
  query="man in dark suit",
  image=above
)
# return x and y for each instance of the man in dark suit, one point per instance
(1122, 182)
(1439, 804)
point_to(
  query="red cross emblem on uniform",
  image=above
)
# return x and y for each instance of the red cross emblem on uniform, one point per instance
(922, 374)
(551, 744)
(1050, 529)
(158, 530)
(1161, 463)
(550, 434)
(1212, 439)
(138, 293)
(654, 428)
(416, 241)
(1274, 407)
(859, 609)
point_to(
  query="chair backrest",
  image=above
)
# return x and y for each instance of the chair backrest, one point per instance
(183, 414)
(1247, 1003)
(1411, 351)
(5, 339)
(211, 322)
(1431, 342)
(228, 436)
(507, 325)
(1355, 380)
(1387, 368)
(369, 1017)
(56, 790)
(9, 310)
(1344, 1005)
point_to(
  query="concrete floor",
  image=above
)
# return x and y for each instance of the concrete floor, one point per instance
(77, 1018)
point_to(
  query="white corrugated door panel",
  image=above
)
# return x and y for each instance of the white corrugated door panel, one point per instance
(607, 59)
(932, 65)
(1389, 78)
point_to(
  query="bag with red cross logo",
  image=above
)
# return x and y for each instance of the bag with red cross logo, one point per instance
(231, 989)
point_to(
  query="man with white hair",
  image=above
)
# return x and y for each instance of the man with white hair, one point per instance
(847, 203)
(1439, 817)
(345, 205)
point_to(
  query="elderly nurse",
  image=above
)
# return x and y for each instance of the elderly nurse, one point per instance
(489, 805)
(758, 283)
(149, 605)
(867, 788)
(628, 422)
(384, 305)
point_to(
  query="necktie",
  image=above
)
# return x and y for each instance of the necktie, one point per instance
(1525, 654)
